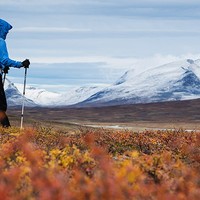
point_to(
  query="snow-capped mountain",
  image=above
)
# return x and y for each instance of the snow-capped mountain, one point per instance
(14, 97)
(174, 81)
(71, 96)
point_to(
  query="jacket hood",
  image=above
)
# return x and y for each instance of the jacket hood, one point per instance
(4, 28)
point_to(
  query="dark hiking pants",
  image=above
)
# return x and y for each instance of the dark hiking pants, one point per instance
(3, 106)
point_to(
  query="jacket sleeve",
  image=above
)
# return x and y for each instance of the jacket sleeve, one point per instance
(4, 58)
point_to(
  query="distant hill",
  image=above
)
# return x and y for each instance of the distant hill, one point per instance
(14, 97)
(171, 82)
(72, 96)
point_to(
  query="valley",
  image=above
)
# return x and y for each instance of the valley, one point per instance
(164, 115)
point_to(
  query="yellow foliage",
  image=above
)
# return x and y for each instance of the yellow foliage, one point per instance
(44, 164)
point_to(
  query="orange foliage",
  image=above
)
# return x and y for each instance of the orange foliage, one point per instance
(99, 164)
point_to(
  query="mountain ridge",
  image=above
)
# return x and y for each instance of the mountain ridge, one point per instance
(14, 97)
(173, 81)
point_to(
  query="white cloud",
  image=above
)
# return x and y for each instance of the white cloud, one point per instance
(79, 71)
(118, 62)
(117, 35)
(50, 29)
(101, 1)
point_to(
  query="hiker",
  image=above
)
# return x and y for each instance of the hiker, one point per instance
(5, 63)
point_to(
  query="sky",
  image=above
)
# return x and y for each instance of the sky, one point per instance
(83, 42)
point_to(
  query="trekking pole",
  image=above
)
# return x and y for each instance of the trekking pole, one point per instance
(23, 101)
(5, 71)
(4, 78)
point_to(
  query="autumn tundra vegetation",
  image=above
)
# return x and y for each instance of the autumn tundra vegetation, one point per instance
(43, 163)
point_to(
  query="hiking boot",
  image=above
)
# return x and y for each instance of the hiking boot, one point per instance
(4, 119)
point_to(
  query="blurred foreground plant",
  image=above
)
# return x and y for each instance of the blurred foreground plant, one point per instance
(45, 164)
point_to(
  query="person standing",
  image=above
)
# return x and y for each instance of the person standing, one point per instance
(5, 63)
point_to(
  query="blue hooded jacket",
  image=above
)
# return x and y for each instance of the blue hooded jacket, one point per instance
(5, 61)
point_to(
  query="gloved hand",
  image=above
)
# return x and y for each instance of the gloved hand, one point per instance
(5, 70)
(26, 63)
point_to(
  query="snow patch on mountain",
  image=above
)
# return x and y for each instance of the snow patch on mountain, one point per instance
(174, 81)
(14, 97)
(72, 96)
